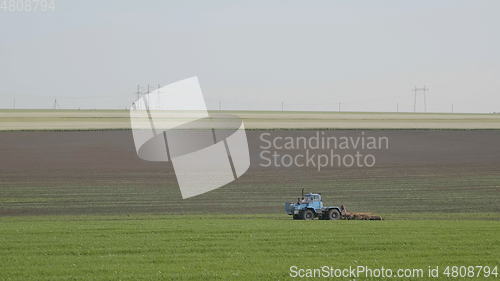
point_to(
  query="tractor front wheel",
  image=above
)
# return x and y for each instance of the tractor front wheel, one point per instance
(333, 214)
(308, 215)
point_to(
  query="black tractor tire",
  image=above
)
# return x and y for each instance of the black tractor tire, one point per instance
(308, 215)
(333, 214)
(296, 217)
(300, 216)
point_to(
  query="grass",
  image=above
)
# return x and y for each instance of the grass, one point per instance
(223, 247)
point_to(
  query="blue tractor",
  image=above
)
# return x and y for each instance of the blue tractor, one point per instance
(310, 206)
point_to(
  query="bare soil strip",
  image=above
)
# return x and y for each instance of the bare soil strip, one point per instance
(98, 172)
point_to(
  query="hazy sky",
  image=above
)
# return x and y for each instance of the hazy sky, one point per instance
(312, 55)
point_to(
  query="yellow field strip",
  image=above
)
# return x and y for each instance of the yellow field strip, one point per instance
(119, 119)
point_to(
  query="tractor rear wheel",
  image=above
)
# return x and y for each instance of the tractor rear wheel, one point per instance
(333, 214)
(308, 215)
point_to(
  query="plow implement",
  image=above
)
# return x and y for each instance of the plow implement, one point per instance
(346, 215)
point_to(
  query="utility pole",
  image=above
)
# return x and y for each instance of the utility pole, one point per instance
(339, 106)
(415, 99)
(220, 106)
(452, 109)
(282, 106)
(14, 103)
(138, 93)
(425, 99)
(397, 107)
(55, 103)
(416, 91)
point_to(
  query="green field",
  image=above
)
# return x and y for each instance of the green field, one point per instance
(244, 247)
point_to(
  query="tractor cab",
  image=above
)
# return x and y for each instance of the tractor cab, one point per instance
(312, 200)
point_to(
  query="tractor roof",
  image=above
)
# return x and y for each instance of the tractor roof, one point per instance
(312, 194)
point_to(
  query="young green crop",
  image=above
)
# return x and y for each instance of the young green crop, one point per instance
(240, 247)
